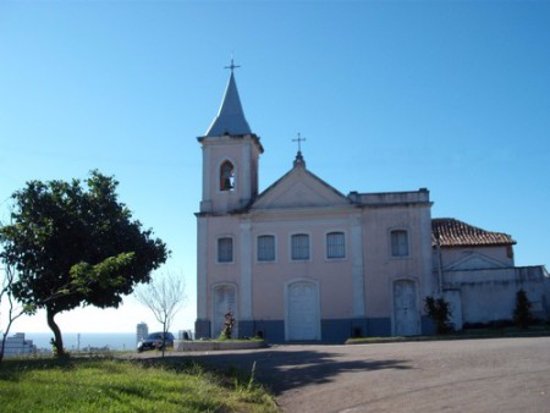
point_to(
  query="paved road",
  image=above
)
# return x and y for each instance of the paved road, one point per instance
(494, 375)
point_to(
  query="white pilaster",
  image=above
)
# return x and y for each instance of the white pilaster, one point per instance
(357, 268)
(206, 171)
(202, 268)
(206, 201)
(246, 270)
(246, 180)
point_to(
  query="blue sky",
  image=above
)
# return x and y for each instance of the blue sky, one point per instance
(452, 96)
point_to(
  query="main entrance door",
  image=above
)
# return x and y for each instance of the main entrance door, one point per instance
(303, 319)
(405, 308)
(224, 302)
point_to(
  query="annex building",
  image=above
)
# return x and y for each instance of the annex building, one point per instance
(302, 261)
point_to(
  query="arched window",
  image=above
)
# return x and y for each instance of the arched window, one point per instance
(227, 176)
(225, 301)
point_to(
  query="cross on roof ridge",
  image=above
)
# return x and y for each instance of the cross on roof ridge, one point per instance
(299, 139)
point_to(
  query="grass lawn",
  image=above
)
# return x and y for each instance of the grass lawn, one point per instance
(110, 385)
(535, 331)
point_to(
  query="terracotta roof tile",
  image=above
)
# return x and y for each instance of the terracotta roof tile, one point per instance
(454, 233)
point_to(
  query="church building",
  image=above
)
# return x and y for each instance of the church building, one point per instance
(302, 261)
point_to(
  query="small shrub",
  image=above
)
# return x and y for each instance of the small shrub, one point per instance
(438, 310)
(522, 313)
(228, 324)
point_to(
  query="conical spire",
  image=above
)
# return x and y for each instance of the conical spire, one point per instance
(230, 119)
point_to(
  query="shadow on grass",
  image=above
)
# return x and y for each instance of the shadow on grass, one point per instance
(12, 369)
(281, 370)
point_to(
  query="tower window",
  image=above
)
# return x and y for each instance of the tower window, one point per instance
(225, 249)
(399, 243)
(227, 176)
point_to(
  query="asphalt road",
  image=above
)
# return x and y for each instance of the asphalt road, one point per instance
(491, 375)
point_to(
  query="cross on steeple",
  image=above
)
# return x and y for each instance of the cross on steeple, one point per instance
(299, 161)
(232, 66)
(299, 139)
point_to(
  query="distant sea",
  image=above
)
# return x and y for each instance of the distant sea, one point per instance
(115, 341)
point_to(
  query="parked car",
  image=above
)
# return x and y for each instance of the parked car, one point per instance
(154, 341)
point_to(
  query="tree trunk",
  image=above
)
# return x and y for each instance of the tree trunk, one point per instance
(58, 339)
(5, 336)
(3, 344)
(163, 338)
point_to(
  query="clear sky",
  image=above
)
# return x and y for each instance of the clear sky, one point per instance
(452, 96)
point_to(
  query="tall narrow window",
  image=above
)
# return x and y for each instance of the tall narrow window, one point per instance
(336, 245)
(300, 247)
(266, 248)
(227, 176)
(225, 249)
(399, 243)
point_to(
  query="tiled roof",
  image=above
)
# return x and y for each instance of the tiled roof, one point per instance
(454, 233)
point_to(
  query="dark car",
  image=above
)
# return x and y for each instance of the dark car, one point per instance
(154, 341)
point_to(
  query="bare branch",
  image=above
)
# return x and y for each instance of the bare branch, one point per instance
(164, 296)
(14, 312)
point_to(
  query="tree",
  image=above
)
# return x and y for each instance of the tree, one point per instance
(164, 296)
(76, 244)
(522, 311)
(439, 311)
(13, 311)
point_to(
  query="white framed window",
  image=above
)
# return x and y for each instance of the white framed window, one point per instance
(266, 248)
(299, 247)
(225, 249)
(336, 245)
(399, 243)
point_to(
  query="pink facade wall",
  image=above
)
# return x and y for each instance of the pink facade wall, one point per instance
(219, 227)
(334, 276)
(381, 269)
(269, 278)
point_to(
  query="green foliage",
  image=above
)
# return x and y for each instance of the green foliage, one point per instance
(103, 385)
(101, 273)
(522, 312)
(438, 310)
(74, 244)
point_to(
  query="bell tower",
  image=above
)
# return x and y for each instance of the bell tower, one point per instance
(230, 155)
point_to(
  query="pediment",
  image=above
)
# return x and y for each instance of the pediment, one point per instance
(475, 261)
(299, 188)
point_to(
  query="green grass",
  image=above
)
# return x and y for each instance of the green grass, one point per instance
(110, 385)
(236, 340)
(535, 331)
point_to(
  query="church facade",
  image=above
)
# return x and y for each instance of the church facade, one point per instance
(302, 261)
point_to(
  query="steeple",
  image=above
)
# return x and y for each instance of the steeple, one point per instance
(230, 157)
(230, 119)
